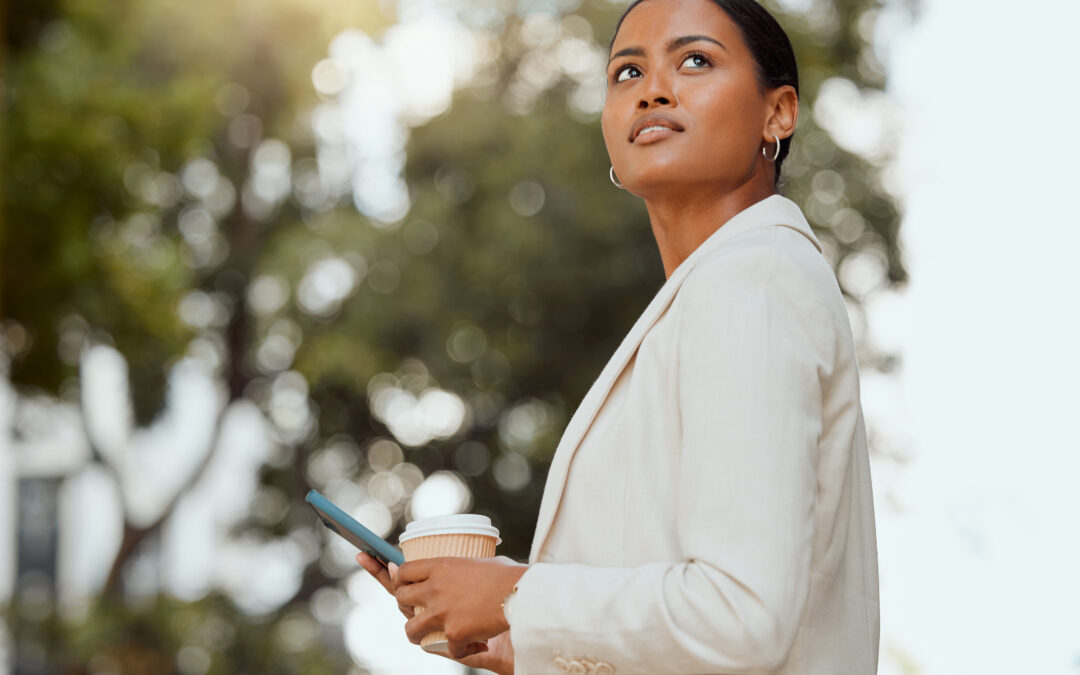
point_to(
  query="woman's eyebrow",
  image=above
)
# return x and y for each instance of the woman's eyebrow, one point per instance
(672, 45)
(629, 51)
(687, 39)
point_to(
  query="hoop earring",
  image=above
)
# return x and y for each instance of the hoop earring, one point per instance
(614, 180)
(775, 154)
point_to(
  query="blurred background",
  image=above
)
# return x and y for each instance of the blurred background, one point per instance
(370, 247)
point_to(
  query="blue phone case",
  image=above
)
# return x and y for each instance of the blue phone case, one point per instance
(352, 531)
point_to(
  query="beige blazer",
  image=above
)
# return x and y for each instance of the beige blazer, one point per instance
(708, 509)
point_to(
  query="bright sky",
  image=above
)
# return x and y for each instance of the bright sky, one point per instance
(979, 552)
(977, 530)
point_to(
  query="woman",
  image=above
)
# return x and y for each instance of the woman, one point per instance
(708, 509)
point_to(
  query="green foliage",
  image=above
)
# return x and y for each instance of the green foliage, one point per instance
(166, 635)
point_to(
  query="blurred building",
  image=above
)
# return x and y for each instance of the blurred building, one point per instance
(41, 443)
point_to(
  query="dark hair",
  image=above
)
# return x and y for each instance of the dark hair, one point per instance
(768, 43)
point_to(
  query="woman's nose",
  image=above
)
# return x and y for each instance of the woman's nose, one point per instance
(657, 90)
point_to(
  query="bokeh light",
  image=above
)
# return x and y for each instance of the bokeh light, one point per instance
(442, 493)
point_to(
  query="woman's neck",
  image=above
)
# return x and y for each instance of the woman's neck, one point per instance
(682, 221)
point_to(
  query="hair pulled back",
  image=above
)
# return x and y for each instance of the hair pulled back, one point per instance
(773, 54)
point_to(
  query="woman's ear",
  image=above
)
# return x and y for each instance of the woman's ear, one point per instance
(783, 113)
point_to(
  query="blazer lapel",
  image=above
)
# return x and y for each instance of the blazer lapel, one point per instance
(772, 210)
(590, 406)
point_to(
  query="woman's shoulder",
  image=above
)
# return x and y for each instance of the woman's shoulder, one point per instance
(768, 259)
(772, 276)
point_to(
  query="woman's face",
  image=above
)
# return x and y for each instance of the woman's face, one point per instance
(683, 106)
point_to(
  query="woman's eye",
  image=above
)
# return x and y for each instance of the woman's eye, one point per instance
(695, 61)
(625, 73)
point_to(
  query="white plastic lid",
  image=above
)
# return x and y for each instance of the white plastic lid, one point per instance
(461, 523)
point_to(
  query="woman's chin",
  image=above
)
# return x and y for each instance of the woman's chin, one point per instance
(657, 184)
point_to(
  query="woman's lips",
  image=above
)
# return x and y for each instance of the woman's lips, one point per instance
(653, 133)
(654, 127)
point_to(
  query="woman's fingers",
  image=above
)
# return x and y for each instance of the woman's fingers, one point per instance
(385, 576)
(418, 570)
(498, 657)
(422, 624)
(412, 594)
(376, 569)
(461, 650)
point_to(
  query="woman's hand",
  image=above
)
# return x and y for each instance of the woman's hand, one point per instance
(461, 596)
(496, 655)
(383, 576)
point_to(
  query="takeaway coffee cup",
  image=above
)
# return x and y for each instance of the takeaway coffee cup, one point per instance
(460, 536)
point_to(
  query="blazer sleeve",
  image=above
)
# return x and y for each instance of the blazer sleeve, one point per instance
(752, 348)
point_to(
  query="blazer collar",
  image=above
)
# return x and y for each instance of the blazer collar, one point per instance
(773, 210)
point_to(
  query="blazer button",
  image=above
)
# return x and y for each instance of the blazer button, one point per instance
(561, 665)
(603, 668)
(577, 667)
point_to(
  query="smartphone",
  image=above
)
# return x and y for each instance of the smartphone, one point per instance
(352, 531)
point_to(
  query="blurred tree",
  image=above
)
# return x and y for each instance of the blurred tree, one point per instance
(104, 105)
(168, 191)
(169, 636)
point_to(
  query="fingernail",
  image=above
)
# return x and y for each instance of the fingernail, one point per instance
(393, 568)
